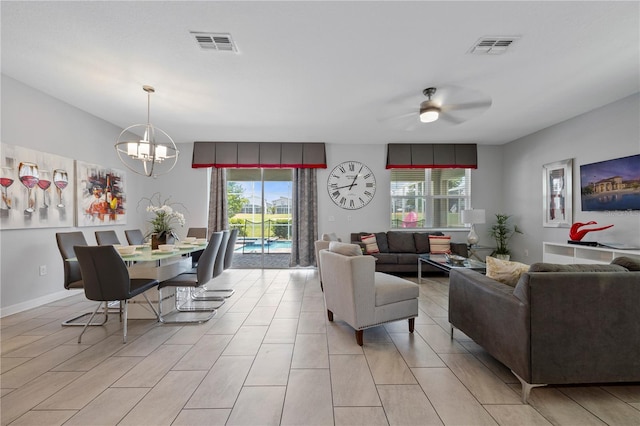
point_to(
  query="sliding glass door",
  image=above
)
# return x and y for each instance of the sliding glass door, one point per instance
(259, 203)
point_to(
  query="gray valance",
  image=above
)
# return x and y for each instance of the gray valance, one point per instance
(432, 156)
(302, 155)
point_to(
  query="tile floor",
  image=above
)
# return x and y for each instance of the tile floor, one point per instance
(271, 357)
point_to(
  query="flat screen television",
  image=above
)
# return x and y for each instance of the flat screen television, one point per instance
(611, 185)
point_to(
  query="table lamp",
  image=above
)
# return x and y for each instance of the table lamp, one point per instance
(472, 217)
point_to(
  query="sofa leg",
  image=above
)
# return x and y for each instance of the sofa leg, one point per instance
(451, 327)
(359, 334)
(329, 315)
(412, 323)
(526, 388)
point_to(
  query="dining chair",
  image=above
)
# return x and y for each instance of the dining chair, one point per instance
(216, 294)
(191, 281)
(231, 245)
(106, 278)
(107, 238)
(72, 275)
(134, 237)
(196, 233)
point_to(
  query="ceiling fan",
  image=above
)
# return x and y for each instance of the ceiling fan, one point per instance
(452, 104)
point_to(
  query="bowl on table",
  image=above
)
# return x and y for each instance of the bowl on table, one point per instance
(126, 250)
(166, 247)
(190, 240)
(455, 260)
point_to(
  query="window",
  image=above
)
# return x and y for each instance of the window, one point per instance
(429, 198)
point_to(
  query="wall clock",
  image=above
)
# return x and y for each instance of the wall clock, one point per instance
(351, 185)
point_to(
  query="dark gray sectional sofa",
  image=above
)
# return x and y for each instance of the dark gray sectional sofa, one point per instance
(399, 250)
(560, 324)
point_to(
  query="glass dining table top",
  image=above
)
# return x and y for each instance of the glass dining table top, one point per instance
(144, 253)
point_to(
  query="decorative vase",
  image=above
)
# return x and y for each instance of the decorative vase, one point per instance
(156, 240)
(503, 256)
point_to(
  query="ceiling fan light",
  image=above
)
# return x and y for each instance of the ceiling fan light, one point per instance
(429, 114)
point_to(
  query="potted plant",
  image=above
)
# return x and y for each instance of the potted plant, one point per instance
(502, 232)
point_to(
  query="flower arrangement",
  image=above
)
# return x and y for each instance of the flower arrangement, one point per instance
(165, 217)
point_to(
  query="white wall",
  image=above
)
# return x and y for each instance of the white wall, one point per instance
(35, 120)
(606, 133)
(375, 216)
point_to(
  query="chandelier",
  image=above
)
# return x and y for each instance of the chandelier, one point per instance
(153, 155)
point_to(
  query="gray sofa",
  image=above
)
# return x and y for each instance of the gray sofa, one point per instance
(399, 250)
(560, 324)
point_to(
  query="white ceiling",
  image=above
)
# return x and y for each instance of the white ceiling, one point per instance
(336, 72)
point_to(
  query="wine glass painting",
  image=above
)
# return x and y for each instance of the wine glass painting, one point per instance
(60, 180)
(6, 180)
(28, 174)
(27, 177)
(44, 183)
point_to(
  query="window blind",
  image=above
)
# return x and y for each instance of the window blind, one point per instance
(303, 155)
(432, 156)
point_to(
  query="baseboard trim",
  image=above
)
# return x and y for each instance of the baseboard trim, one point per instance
(34, 303)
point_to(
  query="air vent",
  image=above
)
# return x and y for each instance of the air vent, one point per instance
(215, 41)
(492, 45)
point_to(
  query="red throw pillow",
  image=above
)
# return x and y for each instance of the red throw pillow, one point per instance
(371, 245)
(440, 244)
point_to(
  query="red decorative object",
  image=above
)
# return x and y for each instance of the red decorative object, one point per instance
(576, 235)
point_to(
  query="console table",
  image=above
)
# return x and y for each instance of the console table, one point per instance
(574, 254)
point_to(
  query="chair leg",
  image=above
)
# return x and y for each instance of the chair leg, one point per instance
(187, 307)
(163, 318)
(412, 323)
(71, 322)
(125, 315)
(91, 318)
(213, 294)
(359, 336)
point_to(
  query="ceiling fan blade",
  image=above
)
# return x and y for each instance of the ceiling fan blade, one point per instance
(466, 106)
(448, 117)
(407, 121)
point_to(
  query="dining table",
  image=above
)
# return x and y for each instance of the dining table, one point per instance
(159, 265)
(162, 266)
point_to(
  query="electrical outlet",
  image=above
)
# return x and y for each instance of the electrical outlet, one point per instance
(348, 218)
(526, 252)
(43, 270)
(332, 218)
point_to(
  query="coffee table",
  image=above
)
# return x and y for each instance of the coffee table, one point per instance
(440, 261)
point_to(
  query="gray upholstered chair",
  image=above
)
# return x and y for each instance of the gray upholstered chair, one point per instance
(360, 296)
(196, 233)
(107, 238)
(134, 237)
(72, 275)
(231, 245)
(208, 293)
(106, 278)
(191, 281)
(323, 244)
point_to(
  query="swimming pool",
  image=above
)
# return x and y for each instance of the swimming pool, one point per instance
(253, 246)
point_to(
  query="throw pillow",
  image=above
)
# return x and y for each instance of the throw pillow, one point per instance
(371, 246)
(440, 244)
(345, 249)
(628, 262)
(506, 271)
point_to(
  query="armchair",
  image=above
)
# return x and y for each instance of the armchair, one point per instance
(359, 295)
